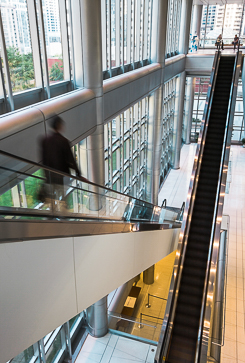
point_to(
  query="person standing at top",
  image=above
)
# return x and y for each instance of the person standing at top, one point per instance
(235, 42)
(57, 154)
(219, 42)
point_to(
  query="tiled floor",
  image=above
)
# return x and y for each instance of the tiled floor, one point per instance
(115, 349)
(176, 186)
(234, 347)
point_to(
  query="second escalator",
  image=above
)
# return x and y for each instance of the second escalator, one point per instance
(186, 322)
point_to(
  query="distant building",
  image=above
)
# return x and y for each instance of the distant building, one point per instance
(16, 25)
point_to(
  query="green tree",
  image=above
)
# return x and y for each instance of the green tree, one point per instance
(21, 69)
(56, 72)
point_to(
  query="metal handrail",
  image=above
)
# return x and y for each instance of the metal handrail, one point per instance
(224, 305)
(180, 254)
(149, 316)
(206, 285)
(119, 316)
(148, 305)
(81, 179)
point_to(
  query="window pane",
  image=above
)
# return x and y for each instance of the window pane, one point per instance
(54, 349)
(24, 357)
(51, 18)
(18, 44)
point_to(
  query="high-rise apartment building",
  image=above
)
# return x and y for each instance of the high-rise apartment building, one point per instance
(16, 25)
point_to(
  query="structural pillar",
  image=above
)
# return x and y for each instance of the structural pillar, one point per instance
(160, 9)
(93, 79)
(148, 275)
(185, 24)
(97, 320)
(196, 19)
(189, 107)
(178, 119)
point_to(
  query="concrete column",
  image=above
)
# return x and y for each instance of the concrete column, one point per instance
(93, 79)
(178, 119)
(196, 20)
(148, 275)
(160, 9)
(185, 24)
(189, 109)
(97, 320)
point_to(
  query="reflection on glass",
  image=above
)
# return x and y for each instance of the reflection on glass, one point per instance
(51, 19)
(24, 357)
(18, 44)
(54, 349)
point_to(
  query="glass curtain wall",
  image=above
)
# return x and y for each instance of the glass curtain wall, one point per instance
(18, 44)
(227, 20)
(238, 123)
(125, 150)
(35, 47)
(126, 34)
(51, 18)
(201, 89)
(167, 124)
(200, 95)
(173, 26)
(54, 345)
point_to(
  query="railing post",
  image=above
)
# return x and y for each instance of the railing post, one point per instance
(148, 305)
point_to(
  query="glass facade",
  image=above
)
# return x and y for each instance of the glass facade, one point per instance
(126, 32)
(201, 89)
(125, 140)
(173, 26)
(55, 345)
(227, 20)
(51, 18)
(18, 45)
(167, 124)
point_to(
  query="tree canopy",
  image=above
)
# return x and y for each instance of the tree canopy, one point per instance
(21, 69)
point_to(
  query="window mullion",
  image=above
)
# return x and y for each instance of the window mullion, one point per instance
(6, 66)
(109, 33)
(64, 40)
(137, 29)
(122, 32)
(117, 30)
(44, 49)
(35, 43)
(129, 22)
(103, 27)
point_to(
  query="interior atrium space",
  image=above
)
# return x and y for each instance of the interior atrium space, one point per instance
(121, 181)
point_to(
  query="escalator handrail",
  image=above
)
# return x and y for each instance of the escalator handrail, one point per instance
(81, 179)
(215, 215)
(180, 254)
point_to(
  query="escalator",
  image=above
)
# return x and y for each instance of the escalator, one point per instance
(181, 339)
(83, 207)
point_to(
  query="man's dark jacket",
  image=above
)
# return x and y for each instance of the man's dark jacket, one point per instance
(56, 154)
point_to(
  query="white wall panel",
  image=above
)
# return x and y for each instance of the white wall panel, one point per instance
(103, 263)
(199, 65)
(45, 282)
(37, 291)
